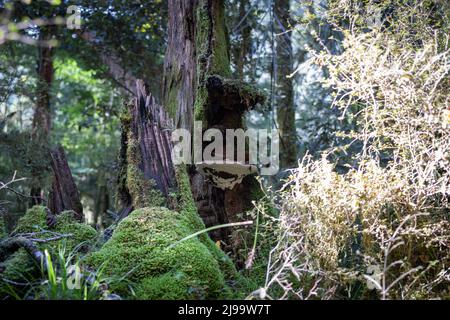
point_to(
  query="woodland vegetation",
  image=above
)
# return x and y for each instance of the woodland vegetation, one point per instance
(93, 206)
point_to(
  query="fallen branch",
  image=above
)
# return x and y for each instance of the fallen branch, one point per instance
(13, 244)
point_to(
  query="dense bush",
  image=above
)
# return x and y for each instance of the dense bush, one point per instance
(382, 229)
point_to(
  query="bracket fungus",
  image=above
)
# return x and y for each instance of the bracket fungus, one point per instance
(225, 175)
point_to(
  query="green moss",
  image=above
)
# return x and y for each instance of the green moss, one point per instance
(221, 53)
(203, 26)
(139, 251)
(248, 92)
(212, 51)
(188, 209)
(186, 204)
(83, 234)
(35, 220)
(201, 102)
(169, 286)
(212, 39)
(171, 94)
(20, 267)
(143, 191)
(125, 117)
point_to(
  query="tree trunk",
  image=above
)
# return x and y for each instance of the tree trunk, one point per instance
(284, 88)
(197, 86)
(102, 199)
(42, 114)
(179, 81)
(64, 193)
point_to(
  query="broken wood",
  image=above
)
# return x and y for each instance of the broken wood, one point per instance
(145, 157)
(152, 126)
(64, 193)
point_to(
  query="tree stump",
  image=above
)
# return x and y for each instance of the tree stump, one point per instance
(64, 193)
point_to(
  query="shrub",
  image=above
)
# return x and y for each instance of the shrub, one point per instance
(382, 228)
(335, 231)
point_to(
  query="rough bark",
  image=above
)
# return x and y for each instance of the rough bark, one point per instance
(42, 117)
(147, 174)
(180, 63)
(64, 193)
(197, 85)
(284, 88)
(151, 126)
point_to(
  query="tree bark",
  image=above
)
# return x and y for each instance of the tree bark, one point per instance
(147, 174)
(197, 69)
(64, 193)
(179, 80)
(42, 117)
(197, 86)
(284, 88)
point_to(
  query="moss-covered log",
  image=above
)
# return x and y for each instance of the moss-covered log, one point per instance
(164, 204)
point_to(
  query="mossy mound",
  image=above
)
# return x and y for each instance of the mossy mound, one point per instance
(35, 220)
(20, 267)
(139, 252)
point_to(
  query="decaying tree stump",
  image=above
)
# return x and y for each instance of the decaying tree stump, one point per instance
(64, 193)
(147, 174)
(152, 126)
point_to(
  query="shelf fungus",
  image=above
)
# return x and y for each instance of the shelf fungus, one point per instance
(225, 175)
